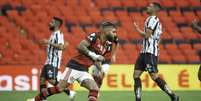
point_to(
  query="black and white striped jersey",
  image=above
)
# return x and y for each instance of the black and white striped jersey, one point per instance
(54, 55)
(150, 45)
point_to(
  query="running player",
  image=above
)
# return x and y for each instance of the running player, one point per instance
(55, 45)
(90, 51)
(147, 60)
(196, 25)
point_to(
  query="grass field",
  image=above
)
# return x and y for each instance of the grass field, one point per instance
(105, 96)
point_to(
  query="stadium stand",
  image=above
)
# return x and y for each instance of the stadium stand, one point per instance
(23, 23)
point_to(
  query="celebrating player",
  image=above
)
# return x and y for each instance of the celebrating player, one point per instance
(147, 60)
(110, 57)
(90, 51)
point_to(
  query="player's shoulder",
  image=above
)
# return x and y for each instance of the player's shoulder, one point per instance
(92, 37)
(153, 18)
(58, 32)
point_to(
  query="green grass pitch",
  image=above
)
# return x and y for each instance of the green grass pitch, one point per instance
(105, 96)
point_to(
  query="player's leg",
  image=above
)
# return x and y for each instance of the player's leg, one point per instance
(199, 73)
(138, 70)
(151, 67)
(43, 78)
(87, 81)
(63, 83)
(98, 77)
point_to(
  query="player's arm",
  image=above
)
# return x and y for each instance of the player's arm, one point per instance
(196, 27)
(83, 48)
(144, 34)
(59, 46)
(98, 64)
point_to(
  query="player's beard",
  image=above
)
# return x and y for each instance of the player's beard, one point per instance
(51, 28)
(110, 37)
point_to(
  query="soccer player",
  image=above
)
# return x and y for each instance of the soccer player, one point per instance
(196, 25)
(55, 45)
(90, 51)
(110, 57)
(147, 60)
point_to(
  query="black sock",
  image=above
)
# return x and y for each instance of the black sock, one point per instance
(67, 91)
(137, 89)
(163, 85)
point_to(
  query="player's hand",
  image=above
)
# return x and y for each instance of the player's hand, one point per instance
(100, 58)
(136, 26)
(45, 41)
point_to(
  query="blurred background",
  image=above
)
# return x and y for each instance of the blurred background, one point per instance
(24, 23)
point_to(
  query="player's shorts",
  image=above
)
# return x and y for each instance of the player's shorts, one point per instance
(71, 75)
(147, 62)
(96, 71)
(49, 72)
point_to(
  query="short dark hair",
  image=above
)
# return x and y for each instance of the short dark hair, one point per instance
(108, 24)
(59, 20)
(157, 5)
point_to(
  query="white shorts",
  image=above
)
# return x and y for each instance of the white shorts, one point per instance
(71, 75)
(95, 70)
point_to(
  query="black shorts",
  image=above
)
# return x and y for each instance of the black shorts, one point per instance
(49, 72)
(147, 62)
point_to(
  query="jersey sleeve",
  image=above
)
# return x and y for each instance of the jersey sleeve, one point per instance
(91, 38)
(61, 40)
(152, 23)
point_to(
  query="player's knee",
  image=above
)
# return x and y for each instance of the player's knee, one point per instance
(89, 84)
(154, 76)
(136, 75)
(62, 85)
(93, 86)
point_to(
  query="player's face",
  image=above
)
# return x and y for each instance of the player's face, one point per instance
(52, 25)
(110, 33)
(150, 8)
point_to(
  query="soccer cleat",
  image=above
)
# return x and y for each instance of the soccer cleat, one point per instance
(32, 99)
(72, 95)
(175, 98)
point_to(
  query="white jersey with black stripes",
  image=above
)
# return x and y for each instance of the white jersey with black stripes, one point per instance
(150, 45)
(53, 54)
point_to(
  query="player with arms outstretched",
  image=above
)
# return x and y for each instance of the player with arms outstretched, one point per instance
(148, 58)
(90, 51)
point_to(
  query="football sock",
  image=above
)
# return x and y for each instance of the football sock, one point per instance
(67, 91)
(163, 85)
(47, 92)
(137, 89)
(93, 95)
